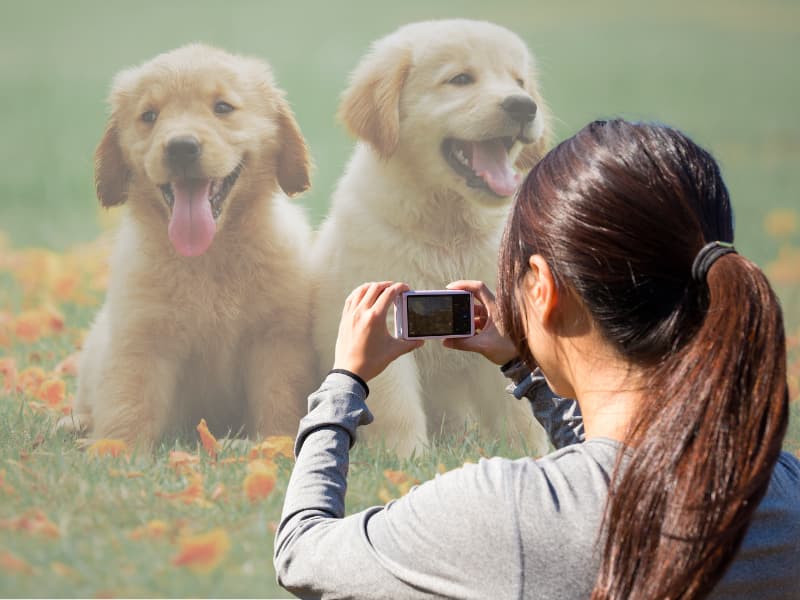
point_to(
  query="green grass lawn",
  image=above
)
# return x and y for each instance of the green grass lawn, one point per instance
(723, 71)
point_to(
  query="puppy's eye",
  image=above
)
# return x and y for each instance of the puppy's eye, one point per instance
(222, 108)
(520, 82)
(462, 79)
(149, 116)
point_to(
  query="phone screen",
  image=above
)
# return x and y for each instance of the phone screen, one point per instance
(438, 314)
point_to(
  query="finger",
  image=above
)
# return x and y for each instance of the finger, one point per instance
(468, 285)
(357, 294)
(486, 296)
(468, 344)
(478, 288)
(406, 346)
(373, 292)
(387, 297)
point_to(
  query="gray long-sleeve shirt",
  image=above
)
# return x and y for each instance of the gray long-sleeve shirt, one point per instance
(498, 529)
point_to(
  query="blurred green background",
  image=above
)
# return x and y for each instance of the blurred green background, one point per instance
(725, 71)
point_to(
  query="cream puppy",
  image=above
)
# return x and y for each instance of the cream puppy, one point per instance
(207, 309)
(448, 116)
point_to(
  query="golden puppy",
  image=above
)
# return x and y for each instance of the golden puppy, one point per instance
(448, 114)
(207, 309)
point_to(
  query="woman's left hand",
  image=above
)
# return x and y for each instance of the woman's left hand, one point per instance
(364, 345)
(490, 341)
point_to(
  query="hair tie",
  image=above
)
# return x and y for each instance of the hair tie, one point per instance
(707, 256)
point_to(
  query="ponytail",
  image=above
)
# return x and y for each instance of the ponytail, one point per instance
(622, 213)
(702, 447)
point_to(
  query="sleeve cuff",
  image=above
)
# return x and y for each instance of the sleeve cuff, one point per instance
(525, 382)
(338, 403)
(354, 376)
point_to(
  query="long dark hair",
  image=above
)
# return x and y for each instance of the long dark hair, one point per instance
(619, 212)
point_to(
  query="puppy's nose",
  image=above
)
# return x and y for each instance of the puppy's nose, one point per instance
(520, 108)
(183, 150)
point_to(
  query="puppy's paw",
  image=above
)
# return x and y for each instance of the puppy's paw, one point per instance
(75, 424)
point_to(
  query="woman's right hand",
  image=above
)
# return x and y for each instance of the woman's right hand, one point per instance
(364, 345)
(491, 342)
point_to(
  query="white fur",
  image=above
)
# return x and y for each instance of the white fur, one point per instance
(222, 336)
(401, 213)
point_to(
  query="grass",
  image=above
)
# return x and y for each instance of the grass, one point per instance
(723, 71)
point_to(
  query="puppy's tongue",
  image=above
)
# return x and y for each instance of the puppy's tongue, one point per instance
(490, 161)
(192, 226)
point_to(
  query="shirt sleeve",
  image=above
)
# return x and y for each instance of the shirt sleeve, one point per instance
(560, 417)
(422, 545)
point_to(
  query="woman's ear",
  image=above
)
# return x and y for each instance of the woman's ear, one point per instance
(370, 107)
(541, 291)
(111, 173)
(294, 162)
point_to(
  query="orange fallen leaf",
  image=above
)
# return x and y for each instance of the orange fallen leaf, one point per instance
(53, 319)
(108, 447)
(29, 380)
(5, 488)
(64, 286)
(193, 493)
(785, 269)
(52, 391)
(150, 530)
(29, 326)
(68, 366)
(179, 459)
(63, 570)
(209, 441)
(6, 321)
(781, 223)
(34, 522)
(204, 552)
(125, 474)
(13, 564)
(385, 496)
(272, 446)
(8, 371)
(232, 460)
(260, 480)
(401, 480)
(217, 493)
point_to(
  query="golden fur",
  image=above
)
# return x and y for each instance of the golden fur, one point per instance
(401, 212)
(223, 335)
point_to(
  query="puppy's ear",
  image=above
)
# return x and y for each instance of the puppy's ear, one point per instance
(533, 153)
(111, 173)
(294, 162)
(370, 106)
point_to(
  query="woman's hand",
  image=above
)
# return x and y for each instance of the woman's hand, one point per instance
(364, 345)
(491, 341)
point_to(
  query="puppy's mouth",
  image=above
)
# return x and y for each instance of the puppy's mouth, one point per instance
(195, 205)
(485, 164)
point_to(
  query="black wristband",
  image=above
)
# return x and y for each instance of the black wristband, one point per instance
(509, 364)
(358, 379)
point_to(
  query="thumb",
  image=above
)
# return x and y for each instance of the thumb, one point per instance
(467, 344)
(406, 346)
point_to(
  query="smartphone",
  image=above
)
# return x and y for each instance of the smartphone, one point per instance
(431, 314)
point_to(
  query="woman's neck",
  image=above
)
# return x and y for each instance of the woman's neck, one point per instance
(607, 388)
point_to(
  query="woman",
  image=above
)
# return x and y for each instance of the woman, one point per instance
(618, 280)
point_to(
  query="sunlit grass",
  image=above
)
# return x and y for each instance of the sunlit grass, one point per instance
(197, 517)
(181, 523)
